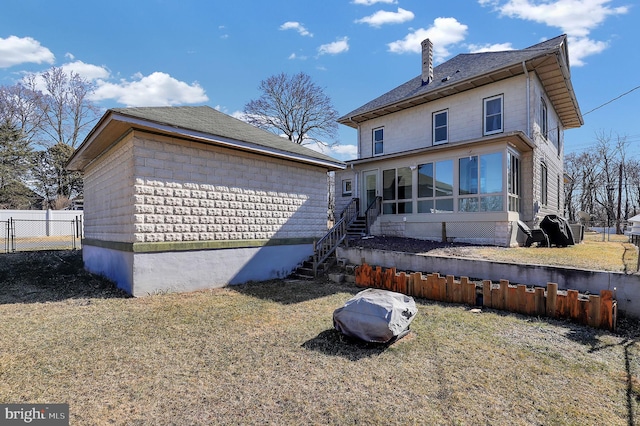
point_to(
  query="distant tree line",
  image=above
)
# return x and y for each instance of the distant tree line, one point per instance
(604, 182)
(43, 118)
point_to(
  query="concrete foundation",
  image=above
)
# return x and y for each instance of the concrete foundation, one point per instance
(142, 274)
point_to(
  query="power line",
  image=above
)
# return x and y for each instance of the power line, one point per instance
(612, 100)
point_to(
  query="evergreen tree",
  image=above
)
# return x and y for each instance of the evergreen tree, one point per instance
(15, 154)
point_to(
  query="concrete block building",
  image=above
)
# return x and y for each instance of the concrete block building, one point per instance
(186, 198)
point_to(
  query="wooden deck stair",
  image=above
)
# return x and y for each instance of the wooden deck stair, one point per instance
(350, 224)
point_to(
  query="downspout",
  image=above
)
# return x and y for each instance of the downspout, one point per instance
(355, 182)
(526, 73)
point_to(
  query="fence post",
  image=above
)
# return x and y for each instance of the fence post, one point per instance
(12, 235)
(48, 223)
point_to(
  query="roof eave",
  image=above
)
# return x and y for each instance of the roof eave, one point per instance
(571, 116)
(84, 155)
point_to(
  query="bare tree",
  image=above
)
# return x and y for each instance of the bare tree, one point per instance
(69, 113)
(571, 187)
(633, 184)
(51, 178)
(296, 107)
(22, 105)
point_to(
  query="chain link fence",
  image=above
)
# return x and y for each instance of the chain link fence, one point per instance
(34, 234)
(606, 231)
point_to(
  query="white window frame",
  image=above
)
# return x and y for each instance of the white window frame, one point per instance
(484, 115)
(513, 181)
(347, 187)
(544, 119)
(434, 127)
(374, 141)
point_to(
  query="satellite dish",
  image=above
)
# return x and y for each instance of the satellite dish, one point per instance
(584, 216)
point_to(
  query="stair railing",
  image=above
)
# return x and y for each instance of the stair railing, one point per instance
(326, 245)
(372, 212)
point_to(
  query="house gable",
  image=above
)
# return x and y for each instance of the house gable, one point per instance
(464, 72)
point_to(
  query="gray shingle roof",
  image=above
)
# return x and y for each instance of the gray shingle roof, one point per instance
(204, 119)
(461, 68)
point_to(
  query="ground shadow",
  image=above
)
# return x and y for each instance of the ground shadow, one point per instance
(51, 276)
(629, 330)
(289, 292)
(332, 342)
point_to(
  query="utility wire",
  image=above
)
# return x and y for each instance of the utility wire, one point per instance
(612, 100)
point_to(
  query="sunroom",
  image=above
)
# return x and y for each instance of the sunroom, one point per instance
(466, 192)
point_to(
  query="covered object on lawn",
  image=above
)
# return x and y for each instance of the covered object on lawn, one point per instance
(558, 230)
(375, 315)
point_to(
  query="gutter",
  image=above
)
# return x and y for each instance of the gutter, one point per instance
(526, 73)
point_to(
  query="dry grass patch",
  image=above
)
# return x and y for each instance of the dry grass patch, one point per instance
(612, 254)
(267, 353)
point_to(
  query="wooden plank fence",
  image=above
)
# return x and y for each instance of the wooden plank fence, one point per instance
(598, 311)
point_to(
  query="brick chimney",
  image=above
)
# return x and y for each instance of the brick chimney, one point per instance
(427, 62)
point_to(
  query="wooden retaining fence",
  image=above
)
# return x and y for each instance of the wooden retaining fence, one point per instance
(593, 310)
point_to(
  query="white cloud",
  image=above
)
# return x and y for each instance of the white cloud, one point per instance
(383, 17)
(294, 56)
(444, 32)
(335, 48)
(581, 47)
(345, 152)
(15, 50)
(292, 25)
(372, 2)
(156, 89)
(576, 18)
(497, 47)
(240, 115)
(87, 71)
(340, 152)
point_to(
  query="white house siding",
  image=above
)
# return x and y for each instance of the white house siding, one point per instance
(546, 151)
(412, 128)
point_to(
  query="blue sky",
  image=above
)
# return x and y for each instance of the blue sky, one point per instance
(211, 52)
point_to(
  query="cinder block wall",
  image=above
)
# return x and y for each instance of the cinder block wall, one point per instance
(108, 194)
(168, 190)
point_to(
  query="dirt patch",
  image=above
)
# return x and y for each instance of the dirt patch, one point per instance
(409, 245)
(47, 276)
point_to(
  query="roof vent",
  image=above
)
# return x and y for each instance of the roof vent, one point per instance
(427, 62)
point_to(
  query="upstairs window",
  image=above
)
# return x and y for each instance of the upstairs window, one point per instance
(493, 115)
(544, 119)
(378, 141)
(440, 127)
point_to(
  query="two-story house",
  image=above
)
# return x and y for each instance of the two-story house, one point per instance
(466, 149)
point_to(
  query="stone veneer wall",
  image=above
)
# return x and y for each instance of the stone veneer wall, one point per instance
(157, 189)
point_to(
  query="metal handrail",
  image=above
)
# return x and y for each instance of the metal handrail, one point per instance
(326, 245)
(372, 212)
